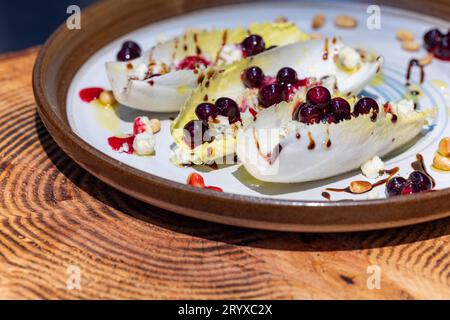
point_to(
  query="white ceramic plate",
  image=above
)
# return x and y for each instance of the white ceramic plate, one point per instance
(91, 126)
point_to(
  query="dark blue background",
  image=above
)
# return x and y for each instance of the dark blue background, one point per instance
(25, 23)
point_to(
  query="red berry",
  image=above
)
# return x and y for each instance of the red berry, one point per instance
(309, 113)
(318, 95)
(206, 110)
(286, 76)
(270, 94)
(365, 105)
(227, 107)
(196, 180)
(394, 186)
(194, 133)
(340, 109)
(253, 77)
(253, 45)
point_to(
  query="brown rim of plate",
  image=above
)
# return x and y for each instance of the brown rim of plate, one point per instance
(66, 50)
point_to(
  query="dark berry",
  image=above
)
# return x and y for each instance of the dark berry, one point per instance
(286, 76)
(253, 45)
(288, 91)
(365, 105)
(253, 77)
(130, 50)
(419, 181)
(194, 133)
(206, 110)
(432, 39)
(442, 50)
(133, 46)
(395, 186)
(228, 108)
(318, 95)
(340, 109)
(309, 113)
(270, 94)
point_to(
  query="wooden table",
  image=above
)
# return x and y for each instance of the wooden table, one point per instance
(56, 220)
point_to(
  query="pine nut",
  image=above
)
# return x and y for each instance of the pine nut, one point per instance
(345, 22)
(281, 19)
(410, 45)
(156, 125)
(444, 147)
(318, 21)
(404, 35)
(358, 187)
(440, 162)
(426, 60)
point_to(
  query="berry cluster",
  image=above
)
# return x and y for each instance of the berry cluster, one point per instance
(272, 91)
(223, 106)
(416, 182)
(320, 107)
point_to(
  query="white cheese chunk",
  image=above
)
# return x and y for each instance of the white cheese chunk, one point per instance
(230, 53)
(144, 143)
(372, 168)
(349, 58)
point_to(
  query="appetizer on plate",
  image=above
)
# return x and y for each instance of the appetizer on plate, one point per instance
(233, 96)
(163, 77)
(324, 136)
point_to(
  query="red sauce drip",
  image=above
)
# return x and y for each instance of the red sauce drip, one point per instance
(312, 143)
(419, 165)
(253, 112)
(191, 63)
(411, 64)
(325, 50)
(347, 189)
(326, 195)
(292, 89)
(90, 94)
(122, 144)
(390, 172)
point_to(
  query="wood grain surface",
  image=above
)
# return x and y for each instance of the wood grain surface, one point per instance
(55, 217)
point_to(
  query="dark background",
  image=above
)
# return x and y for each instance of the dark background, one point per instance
(26, 23)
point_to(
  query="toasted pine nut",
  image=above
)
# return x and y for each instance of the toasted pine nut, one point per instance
(315, 36)
(404, 35)
(444, 147)
(426, 60)
(107, 98)
(345, 22)
(410, 45)
(318, 21)
(192, 30)
(281, 19)
(440, 162)
(156, 125)
(358, 187)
